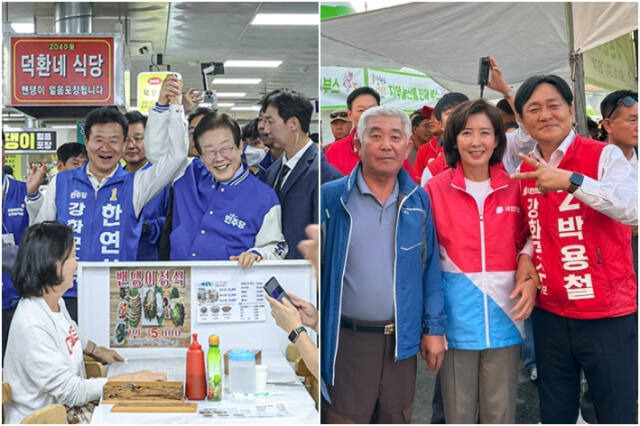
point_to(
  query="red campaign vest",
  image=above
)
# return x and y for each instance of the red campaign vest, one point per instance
(583, 257)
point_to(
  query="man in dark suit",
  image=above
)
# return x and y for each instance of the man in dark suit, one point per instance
(286, 115)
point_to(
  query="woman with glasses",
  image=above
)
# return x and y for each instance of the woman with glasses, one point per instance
(220, 210)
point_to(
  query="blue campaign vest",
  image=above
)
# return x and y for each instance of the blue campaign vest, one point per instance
(212, 221)
(15, 220)
(104, 224)
(155, 214)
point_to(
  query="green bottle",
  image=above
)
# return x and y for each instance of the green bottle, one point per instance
(214, 369)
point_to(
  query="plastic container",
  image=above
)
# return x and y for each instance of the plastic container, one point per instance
(214, 369)
(261, 377)
(242, 371)
(196, 387)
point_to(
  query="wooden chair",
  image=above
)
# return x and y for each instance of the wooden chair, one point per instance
(94, 369)
(51, 414)
(301, 369)
(6, 392)
(6, 396)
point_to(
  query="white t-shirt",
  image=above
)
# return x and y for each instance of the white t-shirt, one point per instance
(68, 335)
(479, 191)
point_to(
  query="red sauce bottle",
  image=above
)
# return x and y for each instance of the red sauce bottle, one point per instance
(196, 376)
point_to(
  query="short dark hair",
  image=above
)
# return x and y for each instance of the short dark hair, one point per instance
(105, 115)
(250, 130)
(290, 103)
(362, 90)
(197, 112)
(7, 170)
(526, 90)
(69, 150)
(457, 122)
(417, 119)
(214, 120)
(610, 102)
(448, 101)
(504, 106)
(511, 125)
(134, 117)
(41, 247)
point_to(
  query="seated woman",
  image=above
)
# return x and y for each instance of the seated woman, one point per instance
(488, 289)
(220, 210)
(44, 363)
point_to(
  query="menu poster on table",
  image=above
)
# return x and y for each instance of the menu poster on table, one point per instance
(149, 307)
(227, 301)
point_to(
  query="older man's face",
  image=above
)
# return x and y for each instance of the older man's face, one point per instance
(385, 146)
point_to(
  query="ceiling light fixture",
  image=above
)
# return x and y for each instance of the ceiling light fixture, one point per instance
(231, 94)
(233, 63)
(286, 19)
(23, 28)
(247, 108)
(222, 80)
(225, 104)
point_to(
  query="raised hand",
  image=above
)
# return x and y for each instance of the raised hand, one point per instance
(547, 178)
(36, 177)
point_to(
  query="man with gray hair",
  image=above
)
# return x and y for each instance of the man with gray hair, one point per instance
(381, 293)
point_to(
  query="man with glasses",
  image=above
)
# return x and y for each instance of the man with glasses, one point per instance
(340, 124)
(579, 196)
(101, 201)
(620, 122)
(221, 211)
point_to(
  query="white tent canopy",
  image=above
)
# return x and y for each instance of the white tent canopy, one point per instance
(446, 40)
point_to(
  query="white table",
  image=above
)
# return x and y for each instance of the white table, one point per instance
(281, 379)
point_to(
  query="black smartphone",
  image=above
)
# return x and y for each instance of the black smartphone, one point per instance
(275, 290)
(483, 71)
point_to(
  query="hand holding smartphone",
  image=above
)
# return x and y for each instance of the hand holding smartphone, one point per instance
(275, 290)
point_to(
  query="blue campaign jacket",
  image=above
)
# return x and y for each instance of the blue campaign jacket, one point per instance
(154, 214)
(104, 223)
(14, 221)
(230, 215)
(419, 300)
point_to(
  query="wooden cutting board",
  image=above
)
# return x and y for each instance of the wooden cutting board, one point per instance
(155, 407)
(117, 392)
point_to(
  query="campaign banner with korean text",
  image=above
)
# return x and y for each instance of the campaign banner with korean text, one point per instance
(29, 141)
(405, 90)
(150, 306)
(149, 84)
(62, 70)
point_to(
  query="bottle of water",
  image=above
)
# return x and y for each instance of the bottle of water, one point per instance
(214, 369)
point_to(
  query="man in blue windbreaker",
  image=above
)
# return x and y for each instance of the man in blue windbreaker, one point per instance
(381, 293)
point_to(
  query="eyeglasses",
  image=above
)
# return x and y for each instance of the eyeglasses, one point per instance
(341, 114)
(625, 100)
(213, 153)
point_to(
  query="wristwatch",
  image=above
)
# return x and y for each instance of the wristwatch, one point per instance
(574, 182)
(293, 336)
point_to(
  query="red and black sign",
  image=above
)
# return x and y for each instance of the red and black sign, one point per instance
(69, 71)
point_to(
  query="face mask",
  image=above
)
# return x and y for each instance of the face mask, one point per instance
(254, 155)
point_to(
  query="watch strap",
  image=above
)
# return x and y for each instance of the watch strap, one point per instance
(293, 336)
(574, 182)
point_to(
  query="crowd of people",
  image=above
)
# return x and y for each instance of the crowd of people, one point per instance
(464, 232)
(492, 228)
(194, 186)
